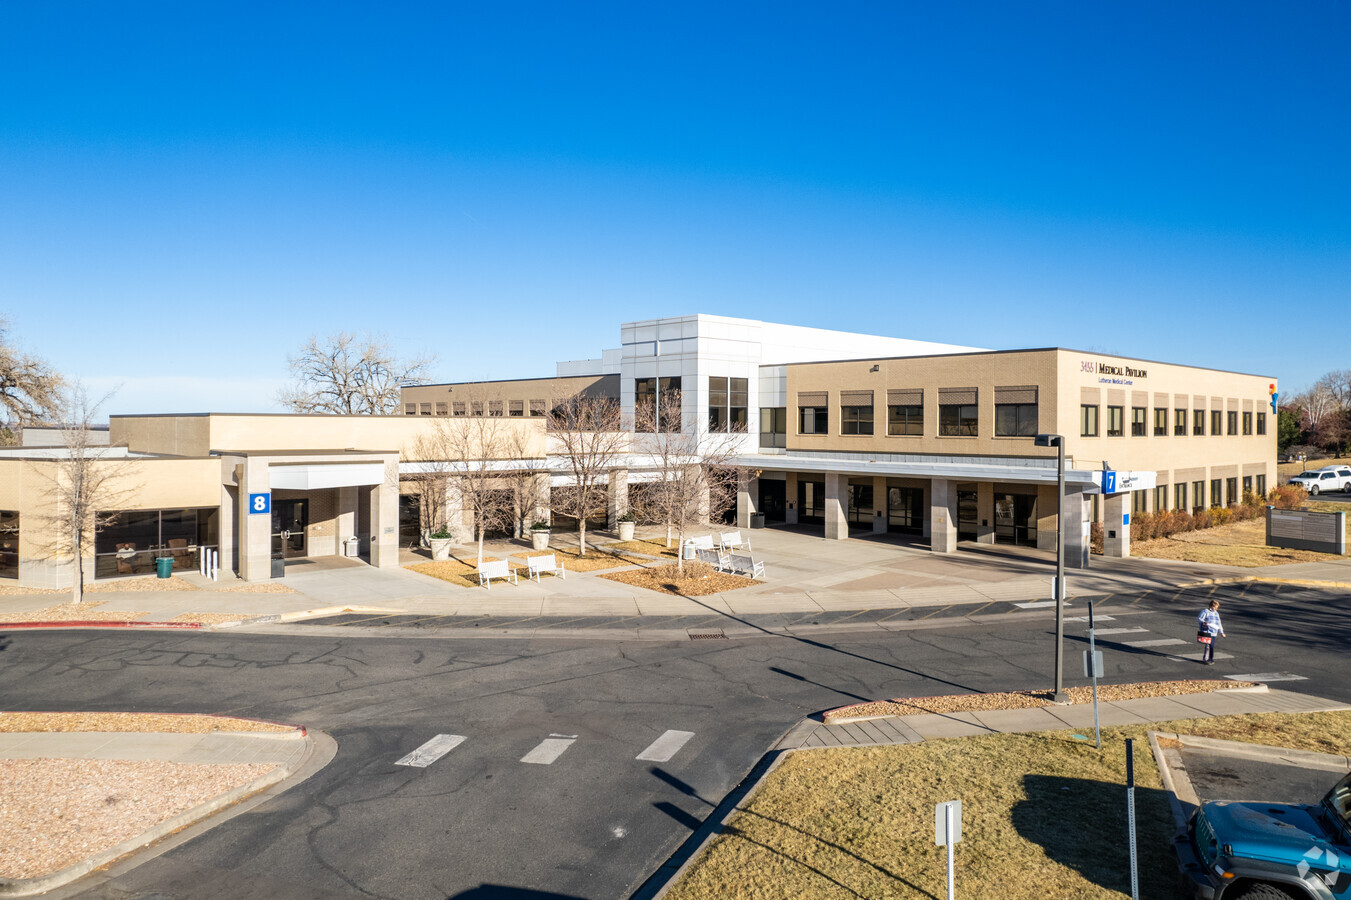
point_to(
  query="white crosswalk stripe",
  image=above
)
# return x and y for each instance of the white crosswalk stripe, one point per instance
(1085, 619)
(1099, 632)
(431, 751)
(549, 749)
(666, 746)
(1161, 642)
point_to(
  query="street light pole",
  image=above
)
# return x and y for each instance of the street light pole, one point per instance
(1057, 441)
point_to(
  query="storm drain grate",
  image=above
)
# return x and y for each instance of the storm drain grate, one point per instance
(707, 635)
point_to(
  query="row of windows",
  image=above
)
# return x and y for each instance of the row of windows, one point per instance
(954, 420)
(476, 408)
(1193, 495)
(1220, 422)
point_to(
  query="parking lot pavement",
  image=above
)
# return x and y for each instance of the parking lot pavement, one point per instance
(1219, 776)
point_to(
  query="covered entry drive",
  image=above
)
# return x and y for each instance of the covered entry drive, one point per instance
(303, 505)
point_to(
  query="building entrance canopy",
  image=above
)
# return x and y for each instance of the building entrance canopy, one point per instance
(332, 475)
(1088, 481)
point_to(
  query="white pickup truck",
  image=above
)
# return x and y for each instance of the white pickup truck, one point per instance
(1328, 478)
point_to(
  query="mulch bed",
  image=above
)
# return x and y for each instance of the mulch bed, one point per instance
(666, 580)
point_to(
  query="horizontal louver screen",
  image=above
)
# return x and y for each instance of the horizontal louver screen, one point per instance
(1024, 394)
(856, 398)
(906, 398)
(1139, 398)
(812, 398)
(949, 396)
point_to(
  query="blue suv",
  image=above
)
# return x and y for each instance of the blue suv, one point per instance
(1271, 851)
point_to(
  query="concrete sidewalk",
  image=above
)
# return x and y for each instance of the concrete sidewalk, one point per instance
(296, 755)
(804, 574)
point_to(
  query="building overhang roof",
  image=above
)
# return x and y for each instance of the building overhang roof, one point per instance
(1085, 480)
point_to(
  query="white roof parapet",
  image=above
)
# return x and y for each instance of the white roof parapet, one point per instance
(1087, 480)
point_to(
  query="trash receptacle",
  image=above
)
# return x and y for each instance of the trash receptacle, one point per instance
(757, 520)
(687, 550)
(351, 546)
(164, 566)
(278, 565)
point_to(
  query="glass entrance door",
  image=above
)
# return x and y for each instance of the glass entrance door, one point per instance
(967, 515)
(1015, 518)
(772, 499)
(289, 518)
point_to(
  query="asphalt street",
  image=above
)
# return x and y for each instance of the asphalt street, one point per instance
(546, 791)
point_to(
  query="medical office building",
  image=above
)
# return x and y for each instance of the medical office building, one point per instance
(840, 434)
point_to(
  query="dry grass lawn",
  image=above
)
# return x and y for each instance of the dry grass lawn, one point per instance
(648, 548)
(1043, 815)
(1240, 544)
(1286, 471)
(699, 580)
(464, 572)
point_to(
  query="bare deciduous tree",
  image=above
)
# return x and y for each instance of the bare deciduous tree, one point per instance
(696, 482)
(588, 433)
(470, 452)
(85, 483)
(526, 475)
(350, 374)
(30, 391)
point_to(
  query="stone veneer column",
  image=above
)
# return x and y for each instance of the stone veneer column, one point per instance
(616, 497)
(255, 529)
(1047, 517)
(345, 516)
(1116, 529)
(747, 495)
(836, 509)
(942, 516)
(461, 530)
(985, 512)
(879, 504)
(385, 518)
(790, 510)
(1077, 520)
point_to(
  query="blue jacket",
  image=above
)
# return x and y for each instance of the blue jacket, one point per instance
(1208, 622)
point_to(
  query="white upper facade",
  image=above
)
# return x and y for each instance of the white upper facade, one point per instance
(695, 348)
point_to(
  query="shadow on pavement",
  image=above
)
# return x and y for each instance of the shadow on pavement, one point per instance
(502, 892)
(1081, 824)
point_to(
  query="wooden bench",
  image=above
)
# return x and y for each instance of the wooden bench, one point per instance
(538, 565)
(745, 565)
(499, 568)
(732, 540)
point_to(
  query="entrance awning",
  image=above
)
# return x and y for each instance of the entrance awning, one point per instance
(316, 477)
(1086, 480)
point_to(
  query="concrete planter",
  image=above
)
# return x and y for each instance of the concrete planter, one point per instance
(440, 548)
(539, 540)
(626, 531)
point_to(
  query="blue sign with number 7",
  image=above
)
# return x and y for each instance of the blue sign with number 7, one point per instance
(1109, 482)
(260, 504)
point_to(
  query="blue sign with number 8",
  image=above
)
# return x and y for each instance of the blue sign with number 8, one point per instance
(260, 503)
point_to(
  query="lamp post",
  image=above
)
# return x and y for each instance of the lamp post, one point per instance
(1058, 442)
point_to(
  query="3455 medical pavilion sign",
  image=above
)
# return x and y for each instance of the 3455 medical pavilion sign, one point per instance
(1098, 367)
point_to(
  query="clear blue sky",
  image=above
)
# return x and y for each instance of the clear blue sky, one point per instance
(188, 190)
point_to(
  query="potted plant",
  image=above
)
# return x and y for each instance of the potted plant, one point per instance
(539, 536)
(439, 541)
(626, 522)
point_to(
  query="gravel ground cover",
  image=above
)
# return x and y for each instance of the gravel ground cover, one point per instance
(134, 585)
(1240, 544)
(455, 571)
(256, 587)
(142, 723)
(10, 590)
(57, 812)
(1042, 816)
(73, 612)
(911, 706)
(700, 580)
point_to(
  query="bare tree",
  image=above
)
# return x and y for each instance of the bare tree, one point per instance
(85, 483)
(470, 452)
(350, 374)
(30, 391)
(588, 433)
(696, 482)
(527, 472)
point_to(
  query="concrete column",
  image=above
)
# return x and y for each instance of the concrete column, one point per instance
(1116, 529)
(539, 513)
(1077, 520)
(942, 515)
(616, 497)
(790, 510)
(457, 520)
(227, 527)
(926, 504)
(984, 513)
(1047, 517)
(879, 504)
(747, 497)
(837, 504)
(255, 529)
(345, 518)
(385, 518)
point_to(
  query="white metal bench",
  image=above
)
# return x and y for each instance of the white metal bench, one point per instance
(499, 568)
(745, 565)
(715, 558)
(538, 565)
(703, 542)
(732, 540)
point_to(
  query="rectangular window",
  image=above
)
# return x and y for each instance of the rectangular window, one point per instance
(1138, 424)
(516, 408)
(410, 409)
(1262, 486)
(717, 403)
(1179, 423)
(1247, 423)
(1088, 420)
(1216, 497)
(9, 543)
(442, 408)
(495, 408)
(957, 412)
(905, 412)
(738, 400)
(1216, 423)
(424, 409)
(657, 404)
(856, 420)
(538, 408)
(813, 420)
(1015, 411)
(1230, 490)
(1198, 423)
(668, 398)
(1198, 494)
(476, 408)
(129, 542)
(774, 426)
(1138, 502)
(1261, 423)
(1160, 422)
(1160, 498)
(1180, 495)
(1116, 427)
(458, 408)
(1247, 485)
(645, 404)
(1233, 422)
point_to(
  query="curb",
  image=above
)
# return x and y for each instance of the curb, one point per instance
(1257, 579)
(195, 816)
(97, 623)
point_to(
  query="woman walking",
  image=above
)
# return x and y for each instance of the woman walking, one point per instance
(1208, 630)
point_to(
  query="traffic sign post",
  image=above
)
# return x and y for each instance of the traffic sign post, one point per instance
(947, 832)
(1093, 666)
(1130, 815)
